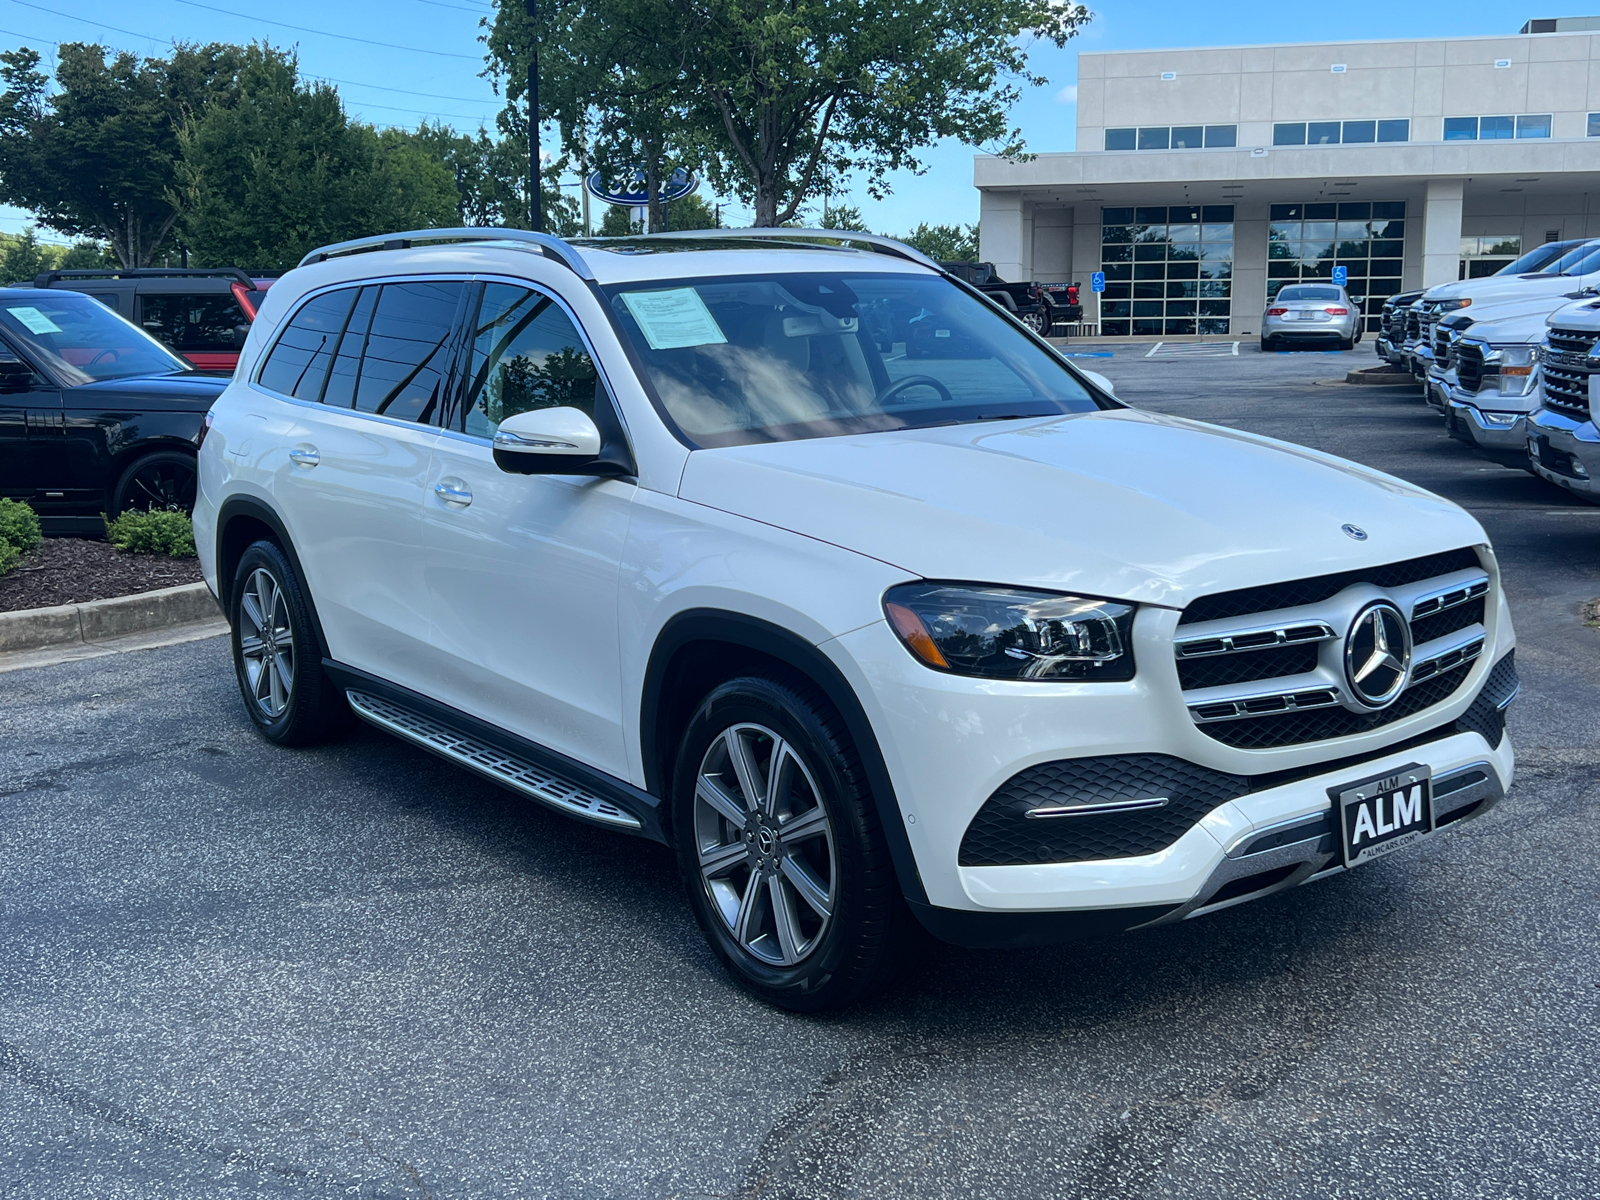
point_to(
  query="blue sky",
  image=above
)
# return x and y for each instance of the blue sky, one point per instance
(429, 67)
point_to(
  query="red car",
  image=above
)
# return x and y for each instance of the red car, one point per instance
(203, 314)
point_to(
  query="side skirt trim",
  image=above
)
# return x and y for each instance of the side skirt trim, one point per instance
(560, 783)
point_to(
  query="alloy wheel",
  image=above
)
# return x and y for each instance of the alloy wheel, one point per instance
(266, 643)
(765, 845)
(160, 487)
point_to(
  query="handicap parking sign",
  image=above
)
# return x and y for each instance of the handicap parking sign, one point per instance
(1097, 281)
(1341, 275)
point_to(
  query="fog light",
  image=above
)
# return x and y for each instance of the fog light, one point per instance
(1500, 420)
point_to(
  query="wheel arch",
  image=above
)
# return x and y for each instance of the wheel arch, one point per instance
(156, 443)
(242, 520)
(699, 648)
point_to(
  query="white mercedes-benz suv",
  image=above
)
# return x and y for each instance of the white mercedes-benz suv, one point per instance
(792, 552)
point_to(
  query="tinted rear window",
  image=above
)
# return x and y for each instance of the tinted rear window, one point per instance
(1309, 293)
(202, 323)
(298, 363)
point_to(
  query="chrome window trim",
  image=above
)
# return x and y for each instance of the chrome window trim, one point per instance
(255, 384)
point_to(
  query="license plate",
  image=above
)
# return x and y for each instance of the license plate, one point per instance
(1385, 812)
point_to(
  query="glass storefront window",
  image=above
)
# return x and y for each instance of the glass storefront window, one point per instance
(1176, 280)
(1367, 238)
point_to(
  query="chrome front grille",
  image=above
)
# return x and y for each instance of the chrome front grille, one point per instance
(1264, 666)
(1443, 347)
(1413, 325)
(1469, 365)
(1564, 369)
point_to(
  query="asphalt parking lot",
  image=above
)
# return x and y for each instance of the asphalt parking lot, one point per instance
(229, 970)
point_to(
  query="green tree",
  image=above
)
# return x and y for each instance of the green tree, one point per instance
(277, 169)
(610, 76)
(843, 216)
(692, 212)
(795, 92)
(619, 222)
(491, 178)
(23, 255)
(944, 243)
(98, 157)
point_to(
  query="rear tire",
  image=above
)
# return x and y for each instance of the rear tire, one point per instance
(1268, 345)
(785, 866)
(163, 481)
(276, 656)
(1347, 343)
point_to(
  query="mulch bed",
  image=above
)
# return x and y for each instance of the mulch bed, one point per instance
(72, 570)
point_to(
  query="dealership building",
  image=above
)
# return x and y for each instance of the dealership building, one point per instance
(1206, 179)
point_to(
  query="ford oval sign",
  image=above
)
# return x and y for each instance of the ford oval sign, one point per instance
(628, 187)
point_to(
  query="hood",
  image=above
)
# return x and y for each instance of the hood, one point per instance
(1506, 329)
(1121, 504)
(188, 390)
(1583, 314)
(1500, 289)
(1511, 319)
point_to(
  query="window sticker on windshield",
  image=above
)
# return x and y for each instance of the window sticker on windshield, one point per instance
(35, 320)
(674, 319)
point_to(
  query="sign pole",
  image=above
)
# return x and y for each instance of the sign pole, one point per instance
(535, 205)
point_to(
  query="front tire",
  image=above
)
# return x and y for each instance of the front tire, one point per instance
(780, 848)
(276, 656)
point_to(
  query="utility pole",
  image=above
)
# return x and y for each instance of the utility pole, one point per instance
(535, 207)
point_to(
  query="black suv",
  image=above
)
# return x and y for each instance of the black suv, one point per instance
(96, 416)
(202, 314)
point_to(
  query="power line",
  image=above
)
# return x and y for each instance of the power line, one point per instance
(320, 32)
(85, 21)
(347, 82)
(406, 91)
(458, 7)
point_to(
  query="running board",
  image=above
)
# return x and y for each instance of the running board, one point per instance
(508, 769)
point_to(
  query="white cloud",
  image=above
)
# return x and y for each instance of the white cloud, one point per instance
(1068, 94)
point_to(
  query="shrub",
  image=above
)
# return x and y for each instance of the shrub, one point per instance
(153, 532)
(19, 527)
(10, 556)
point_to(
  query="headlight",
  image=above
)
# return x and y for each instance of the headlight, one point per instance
(1514, 364)
(1452, 305)
(1009, 633)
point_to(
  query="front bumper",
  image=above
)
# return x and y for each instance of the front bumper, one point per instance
(1503, 440)
(951, 742)
(1565, 451)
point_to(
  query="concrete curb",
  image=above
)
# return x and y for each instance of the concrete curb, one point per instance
(1381, 377)
(101, 620)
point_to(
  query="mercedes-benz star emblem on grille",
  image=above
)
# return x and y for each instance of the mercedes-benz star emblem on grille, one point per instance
(1355, 531)
(1377, 655)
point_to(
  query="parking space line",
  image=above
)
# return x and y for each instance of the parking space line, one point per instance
(1154, 348)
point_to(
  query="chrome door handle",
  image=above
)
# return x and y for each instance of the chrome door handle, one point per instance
(305, 456)
(453, 491)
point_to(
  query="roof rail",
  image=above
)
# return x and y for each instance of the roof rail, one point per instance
(46, 278)
(880, 244)
(550, 246)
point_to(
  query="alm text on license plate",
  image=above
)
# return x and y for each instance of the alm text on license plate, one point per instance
(1383, 813)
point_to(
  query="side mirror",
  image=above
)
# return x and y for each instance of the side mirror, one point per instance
(240, 333)
(15, 376)
(1100, 381)
(556, 441)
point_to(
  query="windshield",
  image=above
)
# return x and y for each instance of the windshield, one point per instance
(1309, 293)
(1538, 258)
(1586, 261)
(1575, 255)
(81, 339)
(774, 358)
